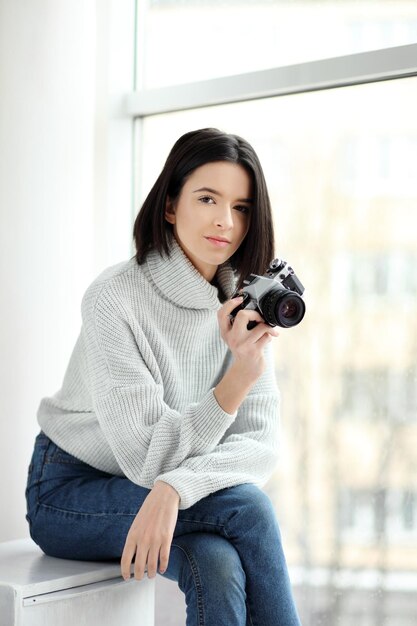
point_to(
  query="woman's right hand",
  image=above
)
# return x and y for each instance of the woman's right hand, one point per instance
(150, 535)
(246, 346)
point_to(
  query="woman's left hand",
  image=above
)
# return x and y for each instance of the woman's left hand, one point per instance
(150, 535)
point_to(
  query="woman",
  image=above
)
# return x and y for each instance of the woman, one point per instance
(166, 425)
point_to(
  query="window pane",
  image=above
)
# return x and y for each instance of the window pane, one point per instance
(341, 166)
(188, 40)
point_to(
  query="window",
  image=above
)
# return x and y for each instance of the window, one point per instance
(369, 275)
(353, 355)
(188, 40)
(341, 168)
(367, 516)
(378, 163)
(379, 394)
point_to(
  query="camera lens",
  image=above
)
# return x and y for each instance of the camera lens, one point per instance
(289, 310)
(283, 307)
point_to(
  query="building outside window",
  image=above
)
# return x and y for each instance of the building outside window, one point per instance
(379, 394)
(367, 516)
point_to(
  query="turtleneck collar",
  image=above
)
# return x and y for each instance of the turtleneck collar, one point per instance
(178, 279)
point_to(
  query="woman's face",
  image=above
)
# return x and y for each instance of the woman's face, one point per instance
(215, 201)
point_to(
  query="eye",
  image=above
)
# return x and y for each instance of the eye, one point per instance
(242, 208)
(206, 199)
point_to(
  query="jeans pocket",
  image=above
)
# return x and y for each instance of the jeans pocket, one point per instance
(55, 454)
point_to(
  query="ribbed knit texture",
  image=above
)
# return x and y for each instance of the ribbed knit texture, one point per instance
(137, 397)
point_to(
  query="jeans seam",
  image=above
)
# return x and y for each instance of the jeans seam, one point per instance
(214, 524)
(44, 462)
(197, 582)
(36, 483)
(248, 613)
(60, 461)
(104, 514)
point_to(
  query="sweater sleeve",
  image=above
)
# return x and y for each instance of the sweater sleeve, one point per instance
(248, 452)
(146, 436)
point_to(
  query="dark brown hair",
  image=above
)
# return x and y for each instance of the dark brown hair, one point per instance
(151, 229)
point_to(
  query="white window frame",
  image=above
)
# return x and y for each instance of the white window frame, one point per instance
(354, 69)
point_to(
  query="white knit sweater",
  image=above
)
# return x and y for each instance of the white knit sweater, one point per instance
(137, 397)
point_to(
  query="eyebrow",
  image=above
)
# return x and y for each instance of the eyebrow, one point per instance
(217, 193)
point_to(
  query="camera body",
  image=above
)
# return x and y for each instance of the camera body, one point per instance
(276, 296)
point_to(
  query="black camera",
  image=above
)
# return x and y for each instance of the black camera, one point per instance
(276, 296)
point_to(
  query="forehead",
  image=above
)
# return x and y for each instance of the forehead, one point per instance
(227, 178)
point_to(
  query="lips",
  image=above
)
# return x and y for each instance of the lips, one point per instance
(219, 239)
(218, 243)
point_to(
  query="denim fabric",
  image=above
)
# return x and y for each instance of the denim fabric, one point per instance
(226, 553)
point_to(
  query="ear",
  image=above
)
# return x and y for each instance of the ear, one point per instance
(169, 211)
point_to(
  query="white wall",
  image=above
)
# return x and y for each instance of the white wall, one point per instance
(65, 200)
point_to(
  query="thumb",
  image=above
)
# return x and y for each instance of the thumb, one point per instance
(224, 312)
(228, 306)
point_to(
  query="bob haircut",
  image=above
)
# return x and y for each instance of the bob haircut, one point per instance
(196, 148)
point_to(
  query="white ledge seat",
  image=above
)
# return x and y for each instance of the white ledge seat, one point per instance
(39, 590)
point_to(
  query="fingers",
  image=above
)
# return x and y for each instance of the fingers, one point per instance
(244, 317)
(227, 308)
(224, 312)
(237, 334)
(263, 333)
(144, 555)
(127, 557)
(231, 304)
(164, 557)
(151, 534)
(264, 340)
(241, 322)
(152, 562)
(140, 562)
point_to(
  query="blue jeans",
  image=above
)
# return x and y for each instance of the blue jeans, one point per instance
(226, 552)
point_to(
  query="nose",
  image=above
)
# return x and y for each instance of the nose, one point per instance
(224, 217)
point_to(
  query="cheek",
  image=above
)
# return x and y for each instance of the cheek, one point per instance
(184, 219)
(188, 214)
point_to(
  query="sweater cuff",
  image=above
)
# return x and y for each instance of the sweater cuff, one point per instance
(211, 422)
(190, 487)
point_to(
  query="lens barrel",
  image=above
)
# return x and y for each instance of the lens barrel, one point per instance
(283, 307)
